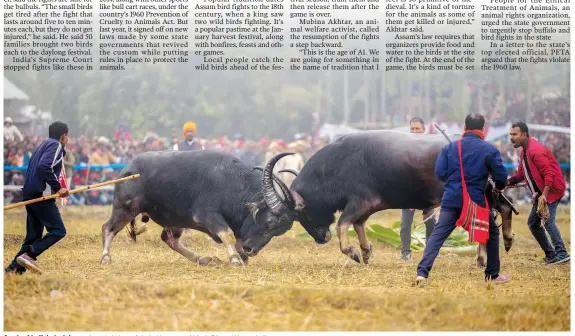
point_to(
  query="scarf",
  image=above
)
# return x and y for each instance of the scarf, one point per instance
(62, 201)
(476, 132)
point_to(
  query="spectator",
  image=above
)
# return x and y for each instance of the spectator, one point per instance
(122, 133)
(11, 132)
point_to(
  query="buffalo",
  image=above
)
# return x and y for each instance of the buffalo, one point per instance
(362, 173)
(208, 191)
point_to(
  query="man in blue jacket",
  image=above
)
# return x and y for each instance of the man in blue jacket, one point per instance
(480, 159)
(42, 180)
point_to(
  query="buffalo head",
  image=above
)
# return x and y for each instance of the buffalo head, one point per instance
(273, 216)
(315, 221)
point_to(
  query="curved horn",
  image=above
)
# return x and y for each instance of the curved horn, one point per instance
(293, 171)
(285, 190)
(274, 202)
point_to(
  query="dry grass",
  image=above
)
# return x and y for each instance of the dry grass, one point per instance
(293, 284)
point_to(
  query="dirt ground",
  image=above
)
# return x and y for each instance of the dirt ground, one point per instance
(292, 285)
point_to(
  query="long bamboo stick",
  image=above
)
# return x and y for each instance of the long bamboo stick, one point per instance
(93, 186)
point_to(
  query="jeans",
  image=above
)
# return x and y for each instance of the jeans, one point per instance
(445, 225)
(40, 215)
(405, 230)
(556, 246)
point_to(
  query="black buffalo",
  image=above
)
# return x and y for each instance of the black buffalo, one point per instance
(366, 172)
(209, 191)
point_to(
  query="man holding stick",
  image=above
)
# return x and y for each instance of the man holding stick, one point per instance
(42, 180)
(464, 167)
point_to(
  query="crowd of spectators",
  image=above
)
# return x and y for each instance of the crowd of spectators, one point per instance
(122, 147)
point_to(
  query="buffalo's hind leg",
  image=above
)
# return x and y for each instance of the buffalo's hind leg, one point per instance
(172, 237)
(119, 219)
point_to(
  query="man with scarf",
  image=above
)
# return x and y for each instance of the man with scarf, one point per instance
(416, 125)
(544, 178)
(479, 159)
(189, 143)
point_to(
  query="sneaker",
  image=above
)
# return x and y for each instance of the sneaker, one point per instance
(26, 261)
(14, 268)
(560, 258)
(419, 280)
(546, 260)
(502, 278)
(406, 256)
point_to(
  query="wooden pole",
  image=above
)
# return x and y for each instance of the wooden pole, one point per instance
(93, 186)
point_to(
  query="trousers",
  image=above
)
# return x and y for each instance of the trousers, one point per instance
(445, 225)
(41, 215)
(405, 229)
(556, 246)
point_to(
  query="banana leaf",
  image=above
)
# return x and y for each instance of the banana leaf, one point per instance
(390, 236)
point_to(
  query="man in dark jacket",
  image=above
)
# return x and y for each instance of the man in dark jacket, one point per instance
(480, 159)
(42, 180)
(544, 178)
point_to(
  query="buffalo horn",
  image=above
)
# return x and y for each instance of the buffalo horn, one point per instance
(293, 171)
(272, 199)
(285, 190)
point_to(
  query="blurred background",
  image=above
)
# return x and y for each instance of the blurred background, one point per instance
(116, 115)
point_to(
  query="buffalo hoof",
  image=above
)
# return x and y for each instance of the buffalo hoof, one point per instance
(352, 253)
(106, 259)
(213, 261)
(236, 262)
(366, 253)
(508, 244)
(245, 259)
(141, 229)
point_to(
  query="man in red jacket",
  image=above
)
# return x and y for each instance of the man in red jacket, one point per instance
(544, 178)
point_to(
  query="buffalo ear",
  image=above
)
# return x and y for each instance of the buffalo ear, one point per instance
(254, 207)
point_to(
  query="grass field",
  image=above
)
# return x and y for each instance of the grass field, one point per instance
(292, 285)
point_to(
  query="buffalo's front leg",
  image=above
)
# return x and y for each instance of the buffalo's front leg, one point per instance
(507, 231)
(344, 245)
(239, 247)
(119, 219)
(172, 237)
(218, 226)
(481, 256)
(364, 243)
(229, 240)
(350, 216)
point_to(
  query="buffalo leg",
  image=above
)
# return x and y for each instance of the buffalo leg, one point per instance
(506, 228)
(348, 217)
(172, 237)
(119, 219)
(218, 226)
(239, 247)
(481, 256)
(364, 243)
